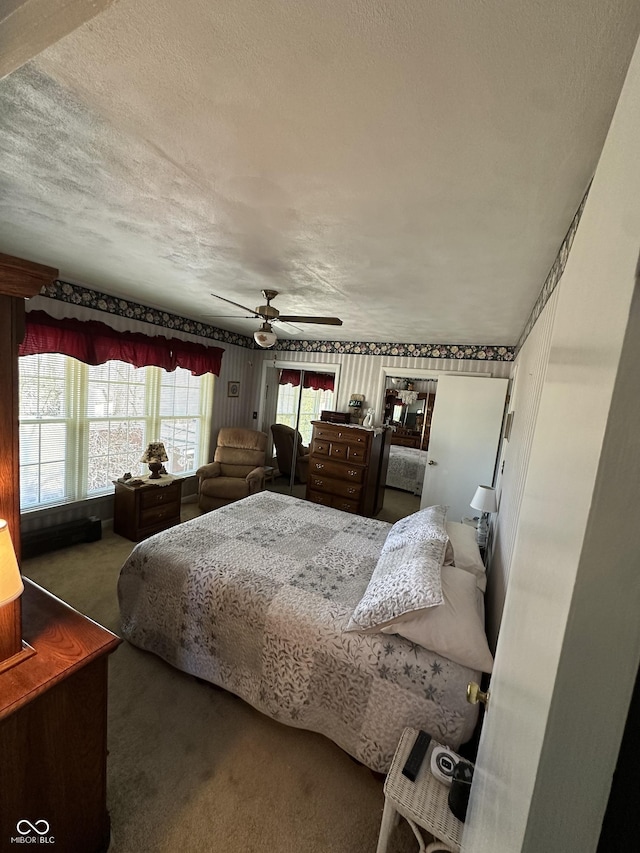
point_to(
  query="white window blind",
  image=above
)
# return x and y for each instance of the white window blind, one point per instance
(82, 427)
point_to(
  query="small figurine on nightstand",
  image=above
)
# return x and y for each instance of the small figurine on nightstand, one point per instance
(368, 419)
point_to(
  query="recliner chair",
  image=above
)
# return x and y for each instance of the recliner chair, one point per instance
(237, 470)
(283, 439)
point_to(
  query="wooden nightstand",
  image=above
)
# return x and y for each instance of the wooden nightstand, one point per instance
(141, 511)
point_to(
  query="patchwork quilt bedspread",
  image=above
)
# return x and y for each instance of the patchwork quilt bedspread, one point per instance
(255, 598)
(406, 468)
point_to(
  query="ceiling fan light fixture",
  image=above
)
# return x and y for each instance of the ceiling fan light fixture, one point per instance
(265, 337)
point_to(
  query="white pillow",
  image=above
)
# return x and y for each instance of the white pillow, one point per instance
(454, 628)
(405, 579)
(427, 523)
(466, 554)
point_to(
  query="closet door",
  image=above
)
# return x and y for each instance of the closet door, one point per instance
(463, 446)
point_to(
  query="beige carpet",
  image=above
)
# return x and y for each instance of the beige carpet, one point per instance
(192, 767)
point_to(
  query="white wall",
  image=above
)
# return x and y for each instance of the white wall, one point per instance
(569, 644)
(529, 373)
(238, 365)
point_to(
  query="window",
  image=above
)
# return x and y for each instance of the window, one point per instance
(311, 404)
(82, 426)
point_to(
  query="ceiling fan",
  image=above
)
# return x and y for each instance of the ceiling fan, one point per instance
(265, 337)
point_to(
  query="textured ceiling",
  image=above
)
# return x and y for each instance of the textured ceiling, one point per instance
(409, 166)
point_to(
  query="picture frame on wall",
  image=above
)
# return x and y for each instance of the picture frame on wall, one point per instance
(233, 389)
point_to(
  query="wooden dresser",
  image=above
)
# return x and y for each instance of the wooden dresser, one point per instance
(141, 511)
(53, 731)
(347, 467)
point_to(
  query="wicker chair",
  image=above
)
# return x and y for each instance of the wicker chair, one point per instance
(237, 469)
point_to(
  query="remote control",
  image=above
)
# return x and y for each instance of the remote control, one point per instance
(416, 756)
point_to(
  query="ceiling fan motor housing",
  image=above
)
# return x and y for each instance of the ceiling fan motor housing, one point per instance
(267, 311)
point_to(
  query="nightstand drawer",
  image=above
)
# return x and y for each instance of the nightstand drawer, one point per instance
(158, 495)
(151, 517)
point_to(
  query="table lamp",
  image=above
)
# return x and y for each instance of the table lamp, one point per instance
(485, 501)
(154, 456)
(11, 587)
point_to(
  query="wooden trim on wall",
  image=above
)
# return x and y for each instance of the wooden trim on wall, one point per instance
(23, 278)
(19, 279)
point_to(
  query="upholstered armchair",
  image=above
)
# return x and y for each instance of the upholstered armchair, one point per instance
(283, 439)
(237, 470)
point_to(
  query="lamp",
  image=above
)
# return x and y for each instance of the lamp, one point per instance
(11, 585)
(265, 337)
(485, 501)
(154, 456)
(12, 648)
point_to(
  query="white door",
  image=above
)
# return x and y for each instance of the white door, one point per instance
(463, 444)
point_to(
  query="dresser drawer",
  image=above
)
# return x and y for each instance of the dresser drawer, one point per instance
(158, 495)
(334, 501)
(319, 497)
(339, 470)
(335, 487)
(354, 453)
(335, 433)
(345, 505)
(320, 447)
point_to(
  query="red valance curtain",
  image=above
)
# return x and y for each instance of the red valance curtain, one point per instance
(94, 343)
(319, 381)
(315, 381)
(290, 377)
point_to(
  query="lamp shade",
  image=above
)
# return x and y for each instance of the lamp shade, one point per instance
(11, 585)
(265, 337)
(155, 452)
(484, 499)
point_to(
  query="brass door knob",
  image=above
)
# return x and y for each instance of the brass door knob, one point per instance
(475, 695)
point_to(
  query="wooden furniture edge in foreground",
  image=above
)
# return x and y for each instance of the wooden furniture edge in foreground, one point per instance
(53, 730)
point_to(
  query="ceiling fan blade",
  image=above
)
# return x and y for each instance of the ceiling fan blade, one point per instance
(237, 304)
(228, 317)
(287, 327)
(324, 321)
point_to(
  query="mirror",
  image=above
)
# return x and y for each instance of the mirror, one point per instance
(408, 406)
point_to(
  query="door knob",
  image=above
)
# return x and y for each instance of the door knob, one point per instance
(431, 462)
(475, 695)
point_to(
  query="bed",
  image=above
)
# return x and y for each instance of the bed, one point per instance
(256, 597)
(406, 468)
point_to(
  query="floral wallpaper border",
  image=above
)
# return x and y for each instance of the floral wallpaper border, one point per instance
(555, 273)
(75, 294)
